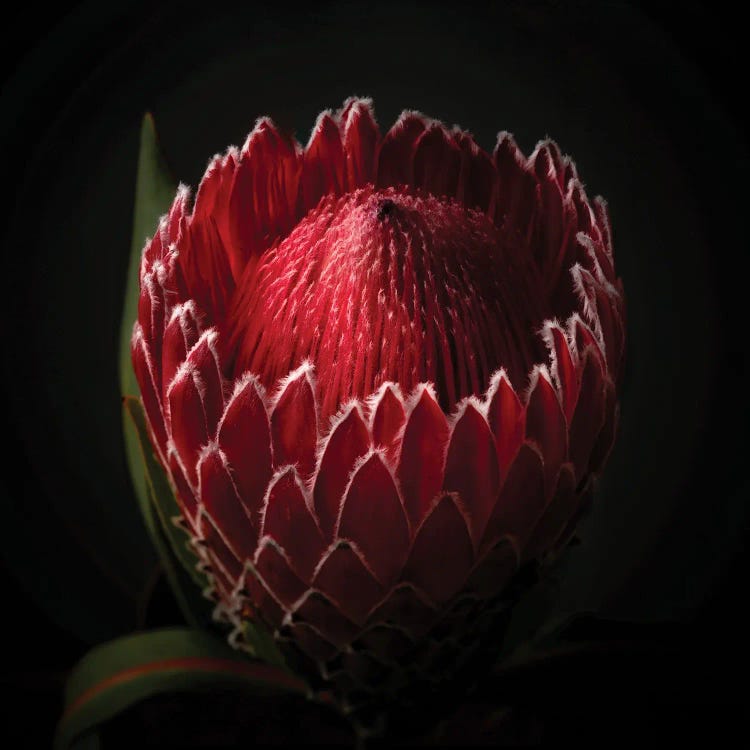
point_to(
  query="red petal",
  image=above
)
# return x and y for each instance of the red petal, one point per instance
(273, 568)
(387, 422)
(212, 200)
(153, 250)
(546, 162)
(294, 424)
(348, 440)
(556, 516)
(373, 518)
(545, 424)
(395, 163)
(584, 337)
(206, 263)
(264, 191)
(219, 497)
(346, 581)
(437, 162)
(442, 553)
(180, 336)
(420, 469)
(471, 468)
(506, 417)
(477, 176)
(261, 599)
(588, 418)
(245, 438)
(563, 368)
(178, 211)
(601, 210)
(580, 201)
(203, 361)
(515, 195)
(222, 583)
(522, 499)
(188, 420)
(144, 373)
(151, 316)
(551, 223)
(361, 139)
(323, 164)
(289, 521)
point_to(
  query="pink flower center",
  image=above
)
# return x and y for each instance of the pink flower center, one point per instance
(390, 285)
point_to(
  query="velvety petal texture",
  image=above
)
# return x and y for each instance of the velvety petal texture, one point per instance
(380, 371)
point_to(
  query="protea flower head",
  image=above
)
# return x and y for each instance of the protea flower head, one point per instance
(380, 372)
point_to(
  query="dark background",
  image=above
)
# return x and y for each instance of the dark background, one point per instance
(650, 104)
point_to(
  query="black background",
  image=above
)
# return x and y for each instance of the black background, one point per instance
(650, 104)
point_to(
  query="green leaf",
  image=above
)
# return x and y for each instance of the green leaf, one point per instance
(154, 192)
(159, 508)
(116, 675)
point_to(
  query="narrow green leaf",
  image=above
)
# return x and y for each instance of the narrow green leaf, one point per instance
(159, 507)
(116, 675)
(154, 191)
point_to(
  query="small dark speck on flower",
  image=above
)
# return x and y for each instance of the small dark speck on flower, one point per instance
(385, 208)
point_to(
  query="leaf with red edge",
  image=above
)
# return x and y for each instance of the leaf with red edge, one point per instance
(117, 675)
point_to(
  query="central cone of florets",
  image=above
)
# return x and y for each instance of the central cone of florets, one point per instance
(389, 285)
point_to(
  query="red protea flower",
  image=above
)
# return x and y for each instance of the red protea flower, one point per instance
(380, 373)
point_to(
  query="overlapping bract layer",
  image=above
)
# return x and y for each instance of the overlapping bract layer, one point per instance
(361, 518)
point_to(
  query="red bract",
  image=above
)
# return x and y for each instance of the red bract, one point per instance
(380, 373)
